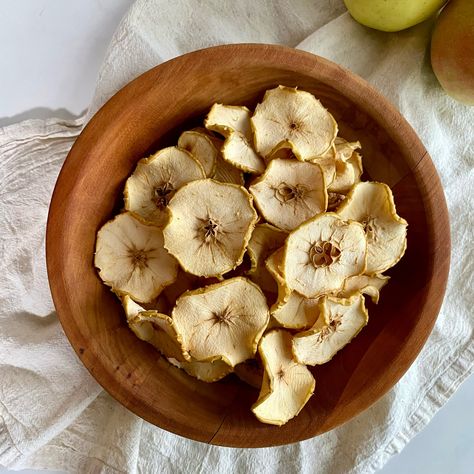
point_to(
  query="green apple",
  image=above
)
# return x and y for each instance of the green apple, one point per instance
(392, 15)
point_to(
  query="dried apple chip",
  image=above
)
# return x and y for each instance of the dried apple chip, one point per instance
(202, 149)
(347, 174)
(290, 192)
(131, 258)
(222, 321)
(158, 330)
(289, 118)
(372, 204)
(233, 122)
(226, 173)
(226, 119)
(327, 162)
(328, 166)
(297, 312)
(204, 371)
(287, 384)
(342, 168)
(321, 253)
(209, 227)
(156, 179)
(291, 310)
(130, 307)
(273, 265)
(239, 153)
(264, 241)
(365, 284)
(342, 320)
(340, 151)
(344, 149)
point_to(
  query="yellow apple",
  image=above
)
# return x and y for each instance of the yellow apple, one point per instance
(392, 15)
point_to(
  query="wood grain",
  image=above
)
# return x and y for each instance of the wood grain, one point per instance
(149, 113)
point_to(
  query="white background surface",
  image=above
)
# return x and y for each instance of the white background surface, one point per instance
(50, 54)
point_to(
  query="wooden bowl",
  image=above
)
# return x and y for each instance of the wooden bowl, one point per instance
(149, 113)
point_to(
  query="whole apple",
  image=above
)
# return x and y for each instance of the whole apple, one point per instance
(392, 15)
(452, 50)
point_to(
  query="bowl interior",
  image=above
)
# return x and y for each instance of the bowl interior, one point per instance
(149, 113)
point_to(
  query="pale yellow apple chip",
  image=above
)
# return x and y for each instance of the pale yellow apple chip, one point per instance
(289, 118)
(227, 173)
(264, 241)
(348, 173)
(291, 310)
(327, 162)
(290, 192)
(153, 327)
(372, 205)
(224, 172)
(131, 308)
(273, 264)
(321, 253)
(202, 148)
(222, 321)
(365, 284)
(342, 320)
(273, 324)
(158, 330)
(209, 227)
(233, 122)
(337, 176)
(239, 153)
(297, 312)
(340, 150)
(216, 141)
(341, 169)
(226, 119)
(328, 166)
(155, 180)
(344, 149)
(131, 258)
(287, 384)
(204, 371)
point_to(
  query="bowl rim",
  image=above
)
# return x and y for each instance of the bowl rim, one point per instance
(297, 61)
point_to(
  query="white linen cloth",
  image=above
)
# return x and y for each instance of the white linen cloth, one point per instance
(53, 415)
